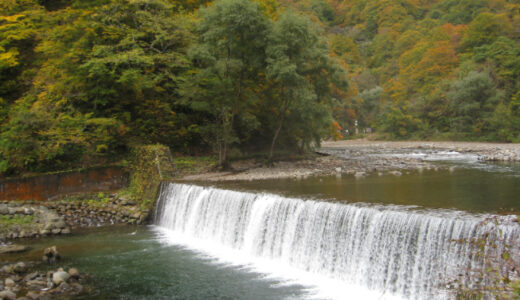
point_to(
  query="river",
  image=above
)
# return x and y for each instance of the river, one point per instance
(335, 237)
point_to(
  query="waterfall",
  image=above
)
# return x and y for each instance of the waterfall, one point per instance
(392, 250)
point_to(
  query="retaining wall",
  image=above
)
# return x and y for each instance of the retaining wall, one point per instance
(49, 186)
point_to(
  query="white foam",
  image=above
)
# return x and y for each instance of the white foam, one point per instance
(338, 251)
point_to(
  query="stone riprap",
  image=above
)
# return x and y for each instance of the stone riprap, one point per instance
(23, 220)
(61, 216)
(21, 280)
(112, 209)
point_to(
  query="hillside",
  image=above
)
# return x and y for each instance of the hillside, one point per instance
(83, 82)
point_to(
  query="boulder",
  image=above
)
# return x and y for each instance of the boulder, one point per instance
(60, 224)
(30, 276)
(74, 273)
(59, 277)
(360, 174)
(37, 285)
(33, 295)
(13, 248)
(7, 295)
(51, 255)
(8, 282)
(396, 173)
(64, 286)
(20, 267)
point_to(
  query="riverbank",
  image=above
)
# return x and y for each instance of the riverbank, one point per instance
(484, 151)
(31, 219)
(358, 158)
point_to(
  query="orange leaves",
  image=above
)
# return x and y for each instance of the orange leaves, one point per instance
(455, 32)
(335, 131)
(438, 61)
(395, 90)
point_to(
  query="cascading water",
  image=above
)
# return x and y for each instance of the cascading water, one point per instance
(392, 251)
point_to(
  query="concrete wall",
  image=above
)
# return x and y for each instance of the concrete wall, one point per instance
(50, 186)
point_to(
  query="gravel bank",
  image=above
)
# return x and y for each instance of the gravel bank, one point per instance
(356, 159)
(485, 151)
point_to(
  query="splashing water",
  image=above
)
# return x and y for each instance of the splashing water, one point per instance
(340, 251)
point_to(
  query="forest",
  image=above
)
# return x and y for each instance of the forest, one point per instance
(81, 82)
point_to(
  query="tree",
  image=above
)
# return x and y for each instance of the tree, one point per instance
(474, 98)
(485, 29)
(229, 55)
(300, 68)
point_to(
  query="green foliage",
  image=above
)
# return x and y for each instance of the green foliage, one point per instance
(149, 165)
(474, 98)
(82, 82)
(15, 220)
(189, 164)
(485, 29)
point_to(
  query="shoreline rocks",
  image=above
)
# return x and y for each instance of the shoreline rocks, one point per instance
(112, 210)
(18, 281)
(59, 217)
(26, 220)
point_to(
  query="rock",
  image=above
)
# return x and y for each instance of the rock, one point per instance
(396, 173)
(65, 231)
(51, 255)
(360, 174)
(8, 282)
(44, 232)
(13, 249)
(20, 267)
(37, 285)
(60, 224)
(30, 276)
(77, 287)
(7, 295)
(9, 269)
(33, 295)
(74, 273)
(64, 286)
(56, 231)
(59, 277)
(338, 170)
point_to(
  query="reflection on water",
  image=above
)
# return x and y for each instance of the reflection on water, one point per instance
(131, 263)
(469, 189)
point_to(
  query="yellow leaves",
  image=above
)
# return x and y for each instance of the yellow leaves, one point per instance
(270, 7)
(12, 18)
(9, 59)
(6, 5)
(395, 90)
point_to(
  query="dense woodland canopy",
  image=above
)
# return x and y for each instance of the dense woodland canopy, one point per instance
(83, 81)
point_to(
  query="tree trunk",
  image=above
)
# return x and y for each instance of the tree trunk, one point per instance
(277, 132)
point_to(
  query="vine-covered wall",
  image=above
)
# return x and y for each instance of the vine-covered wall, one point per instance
(149, 166)
(48, 186)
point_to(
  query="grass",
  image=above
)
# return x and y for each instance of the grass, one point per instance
(16, 220)
(194, 163)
